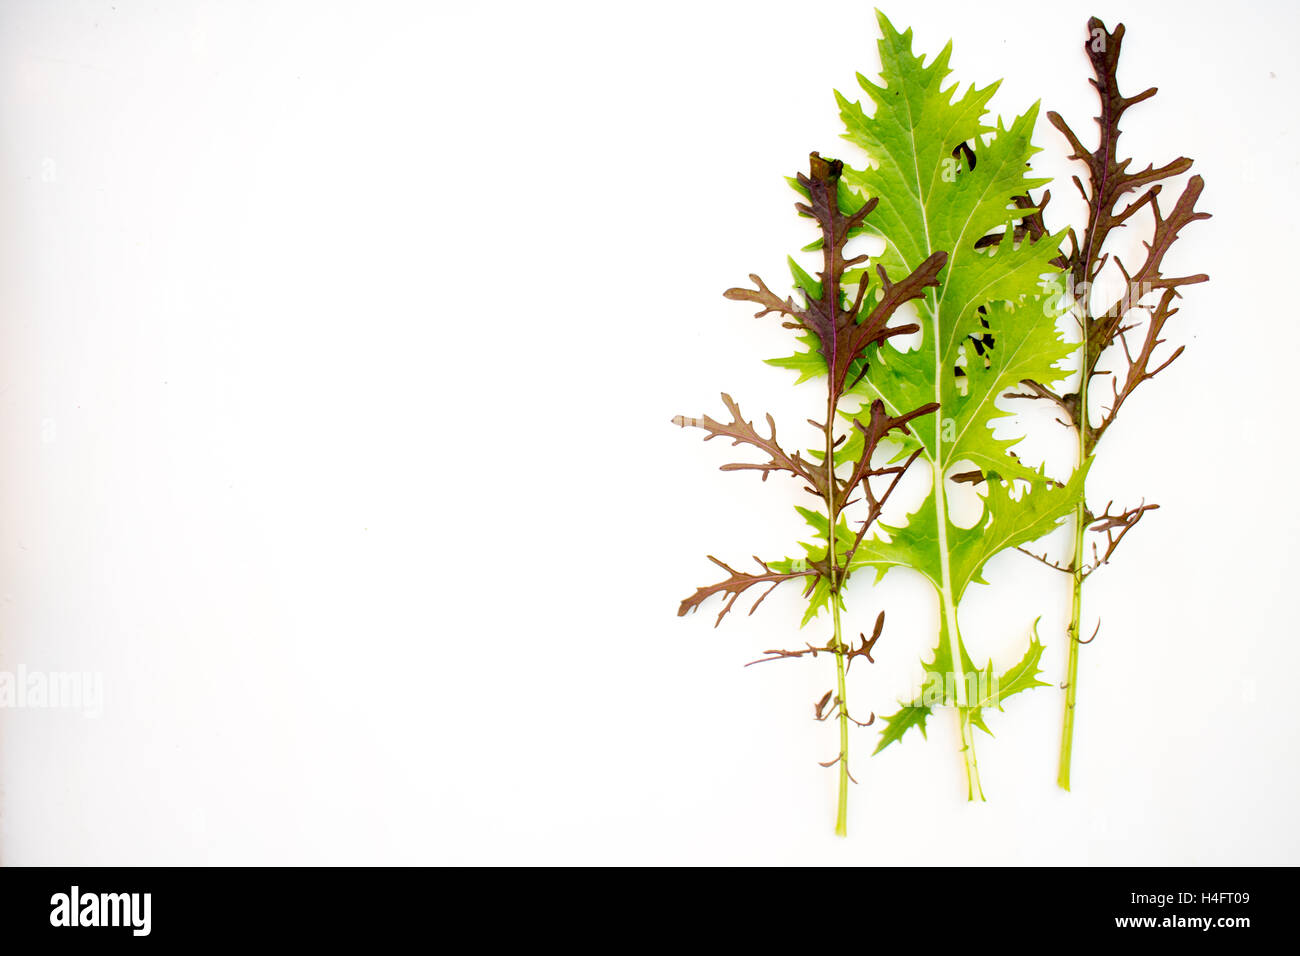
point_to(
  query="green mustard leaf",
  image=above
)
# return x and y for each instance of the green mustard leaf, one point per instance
(947, 178)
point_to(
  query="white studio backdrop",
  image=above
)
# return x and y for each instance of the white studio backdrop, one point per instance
(340, 343)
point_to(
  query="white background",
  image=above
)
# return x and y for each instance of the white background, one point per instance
(340, 344)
